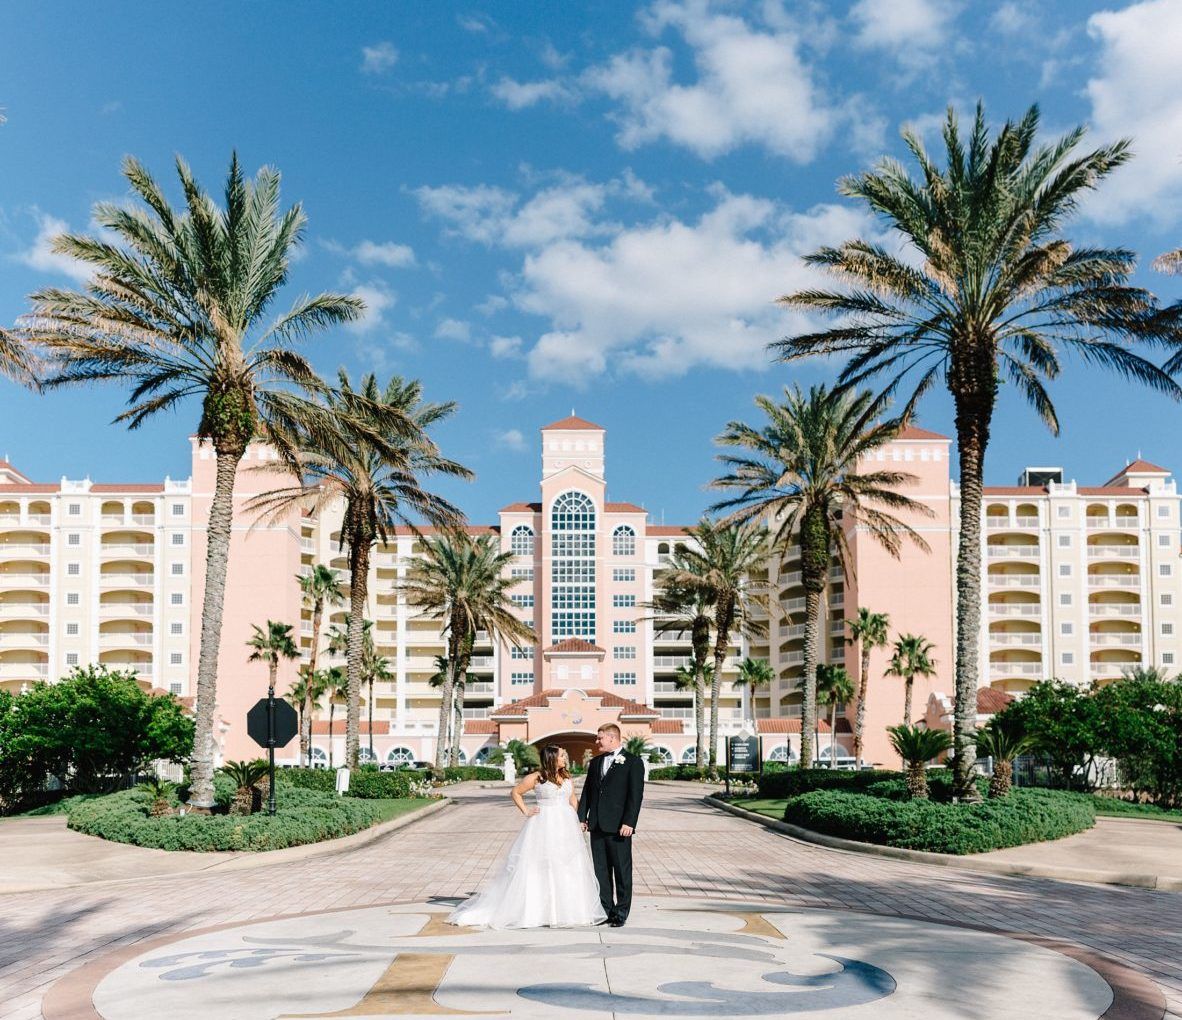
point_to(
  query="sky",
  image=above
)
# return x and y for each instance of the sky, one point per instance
(582, 207)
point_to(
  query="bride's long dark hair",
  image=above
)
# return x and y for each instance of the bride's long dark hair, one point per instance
(550, 769)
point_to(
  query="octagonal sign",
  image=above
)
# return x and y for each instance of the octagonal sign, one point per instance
(286, 723)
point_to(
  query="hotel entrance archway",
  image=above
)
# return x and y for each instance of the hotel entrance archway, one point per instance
(580, 747)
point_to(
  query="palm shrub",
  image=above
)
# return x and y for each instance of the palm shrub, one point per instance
(245, 775)
(161, 795)
(988, 290)
(804, 472)
(834, 687)
(1003, 740)
(917, 746)
(868, 630)
(640, 747)
(753, 675)
(525, 756)
(176, 310)
(911, 657)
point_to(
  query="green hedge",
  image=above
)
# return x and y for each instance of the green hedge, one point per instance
(304, 816)
(1025, 816)
(676, 772)
(794, 782)
(463, 773)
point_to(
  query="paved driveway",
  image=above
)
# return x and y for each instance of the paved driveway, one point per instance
(683, 849)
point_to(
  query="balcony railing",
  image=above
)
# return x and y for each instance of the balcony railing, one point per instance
(669, 687)
(23, 670)
(998, 523)
(40, 518)
(1114, 609)
(11, 549)
(14, 580)
(791, 631)
(1114, 581)
(477, 713)
(125, 608)
(1029, 552)
(671, 661)
(120, 638)
(1015, 639)
(1127, 640)
(1104, 523)
(1113, 552)
(140, 668)
(24, 608)
(668, 712)
(478, 687)
(1014, 580)
(1000, 670)
(481, 662)
(22, 638)
(125, 579)
(1019, 609)
(126, 549)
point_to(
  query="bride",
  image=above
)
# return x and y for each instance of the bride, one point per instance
(547, 879)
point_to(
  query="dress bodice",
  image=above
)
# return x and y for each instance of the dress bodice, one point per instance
(547, 794)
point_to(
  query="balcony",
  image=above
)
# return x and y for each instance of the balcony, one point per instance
(1114, 609)
(1117, 640)
(1015, 609)
(139, 668)
(11, 609)
(1002, 552)
(125, 638)
(1114, 581)
(479, 687)
(21, 550)
(1014, 580)
(24, 670)
(668, 712)
(792, 631)
(1015, 640)
(307, 545)
(669, 687)
(1112, 523)
(1001, 670)
(481, 662)
(126, 549)
(477, 713)
(1012, 523)
(671, 661)
(109, 609)
(23, 638)
(14, 580)
(39, 518)
(126, 580)
(1113, 552)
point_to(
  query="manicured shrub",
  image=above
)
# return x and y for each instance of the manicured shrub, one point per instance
(796, 781)
(304, 816)
(676, 772)
(1026, 816)
(324, 780)
(464, 773)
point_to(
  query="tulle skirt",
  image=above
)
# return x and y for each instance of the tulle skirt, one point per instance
(546, 881)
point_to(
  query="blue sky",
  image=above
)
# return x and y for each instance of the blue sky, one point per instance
(556, 206)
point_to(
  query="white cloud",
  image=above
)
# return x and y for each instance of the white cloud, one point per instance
(1012, 18)
(662, 298)
(511, 439)
(379, 58)
(518, 95)
(903, 27)
(1138, 93)
(505, 346)
(474, 22)
(385, 253)
(492, 304)
(41, 256)
(378, 299)
(453, 329)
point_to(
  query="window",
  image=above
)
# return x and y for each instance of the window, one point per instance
(572, 593)
(623, 601)
(1167, 630)
(1065, 600)
(1167, 599)
(1067, 658)
(178, 509)
(521, 541)
(1163, 540)
(1064, 569)
(74, 509)
(178, 689)
(1064, 511)
(176, 629)
(1163, 510)
(623, 626)
(1164, 569)
(178, 538)
(73, 569)
(73, 538)
(624, 678)
(73, 598)
(395, 756)
(624, 574)
(71, 658)
(178, 569)
(1167, 658)
(1066, 628)
(624, 652)
(522, 601)
(176, 658)
(1064, 541)
(177, 598)
(624, 541)
(517, 652)
(71, 630)
(521, 678)
(522, 573)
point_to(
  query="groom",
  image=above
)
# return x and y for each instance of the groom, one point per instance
(608, 809)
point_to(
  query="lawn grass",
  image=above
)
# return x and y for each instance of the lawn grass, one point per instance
(771, 808)
(400, 806)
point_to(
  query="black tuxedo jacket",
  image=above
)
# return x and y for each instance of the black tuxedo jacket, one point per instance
(607, 802)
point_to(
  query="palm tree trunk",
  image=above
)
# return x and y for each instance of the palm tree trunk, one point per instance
(442, 744)
(972, 437)
(808, 710)
(833, 735)
(722, 624)
(317, 620)
(217, 557)
(332, 708)
(457, 732)
(359, 549)
(917, 780)
(860, 718)
(907, 682)
(700, 641)
(369, 706)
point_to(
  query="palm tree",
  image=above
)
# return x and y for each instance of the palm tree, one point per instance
(245, 775)
(381, 484)
(695, 678)
(754, 674)
(336, 685)
(302, 696)
(270, 646)
(465, 581)
(678, 608)
(869, 631)
(834, 687)
(377, 670)
(917, 746)
(911, 657)
(640, 747)
(175, 309)
(801, 472)
(988, 287)
(1002, 740)
(320, 587)
(725, 565)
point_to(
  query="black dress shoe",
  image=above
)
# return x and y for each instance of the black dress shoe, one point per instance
(616, 922)
(606, 920)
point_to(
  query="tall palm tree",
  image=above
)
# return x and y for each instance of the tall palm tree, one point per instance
(443, 678)
(868, 630)
(381, 484)
(176, 310)
(320, 587)
(911, 657)
(754, 674)
(336, 686)
(917, 746)
(988, 287)
(803, 473)
(834, 687)
(678, 607)
(725, 562)
(303, 696)
(692, 678)
(271, 646)
(465, 581)
(377, 670)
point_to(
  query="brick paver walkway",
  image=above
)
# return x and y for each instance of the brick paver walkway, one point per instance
(684, 848)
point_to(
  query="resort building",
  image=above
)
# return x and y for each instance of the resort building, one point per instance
(1078, 582)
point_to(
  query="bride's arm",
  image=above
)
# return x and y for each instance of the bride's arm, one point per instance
(527, 784)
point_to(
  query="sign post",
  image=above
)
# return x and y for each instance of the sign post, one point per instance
(271, 724)
(742, 755)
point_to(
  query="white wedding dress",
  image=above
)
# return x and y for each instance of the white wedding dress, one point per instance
(547, 880)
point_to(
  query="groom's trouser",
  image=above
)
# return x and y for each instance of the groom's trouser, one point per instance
(611, 854)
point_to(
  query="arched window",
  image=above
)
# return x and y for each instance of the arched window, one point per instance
(689, 756)
(319, 758)
(839, 752)
(623, 541)
(521, 540)
(400, 756)
(572, 565)
(481, 756)
(663, 755)
(366, 755)
(463, 759)
(781, 753)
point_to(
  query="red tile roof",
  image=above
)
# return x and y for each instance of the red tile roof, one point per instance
(480, 726)
(667, 726)
(623, 508)
(1139, 467)
(792, 725)
(29, 487)
(320, 727)
(574, 645)
(572, 424)
(990, 701)
(606, 699)
(915, 432)
(517, 508)
(670, 530)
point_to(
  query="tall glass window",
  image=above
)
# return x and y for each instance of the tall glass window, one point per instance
(572, 598)
(623, 541)
(521, 541)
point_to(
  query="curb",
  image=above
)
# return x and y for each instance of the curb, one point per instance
(246, 860)
(965, 863)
